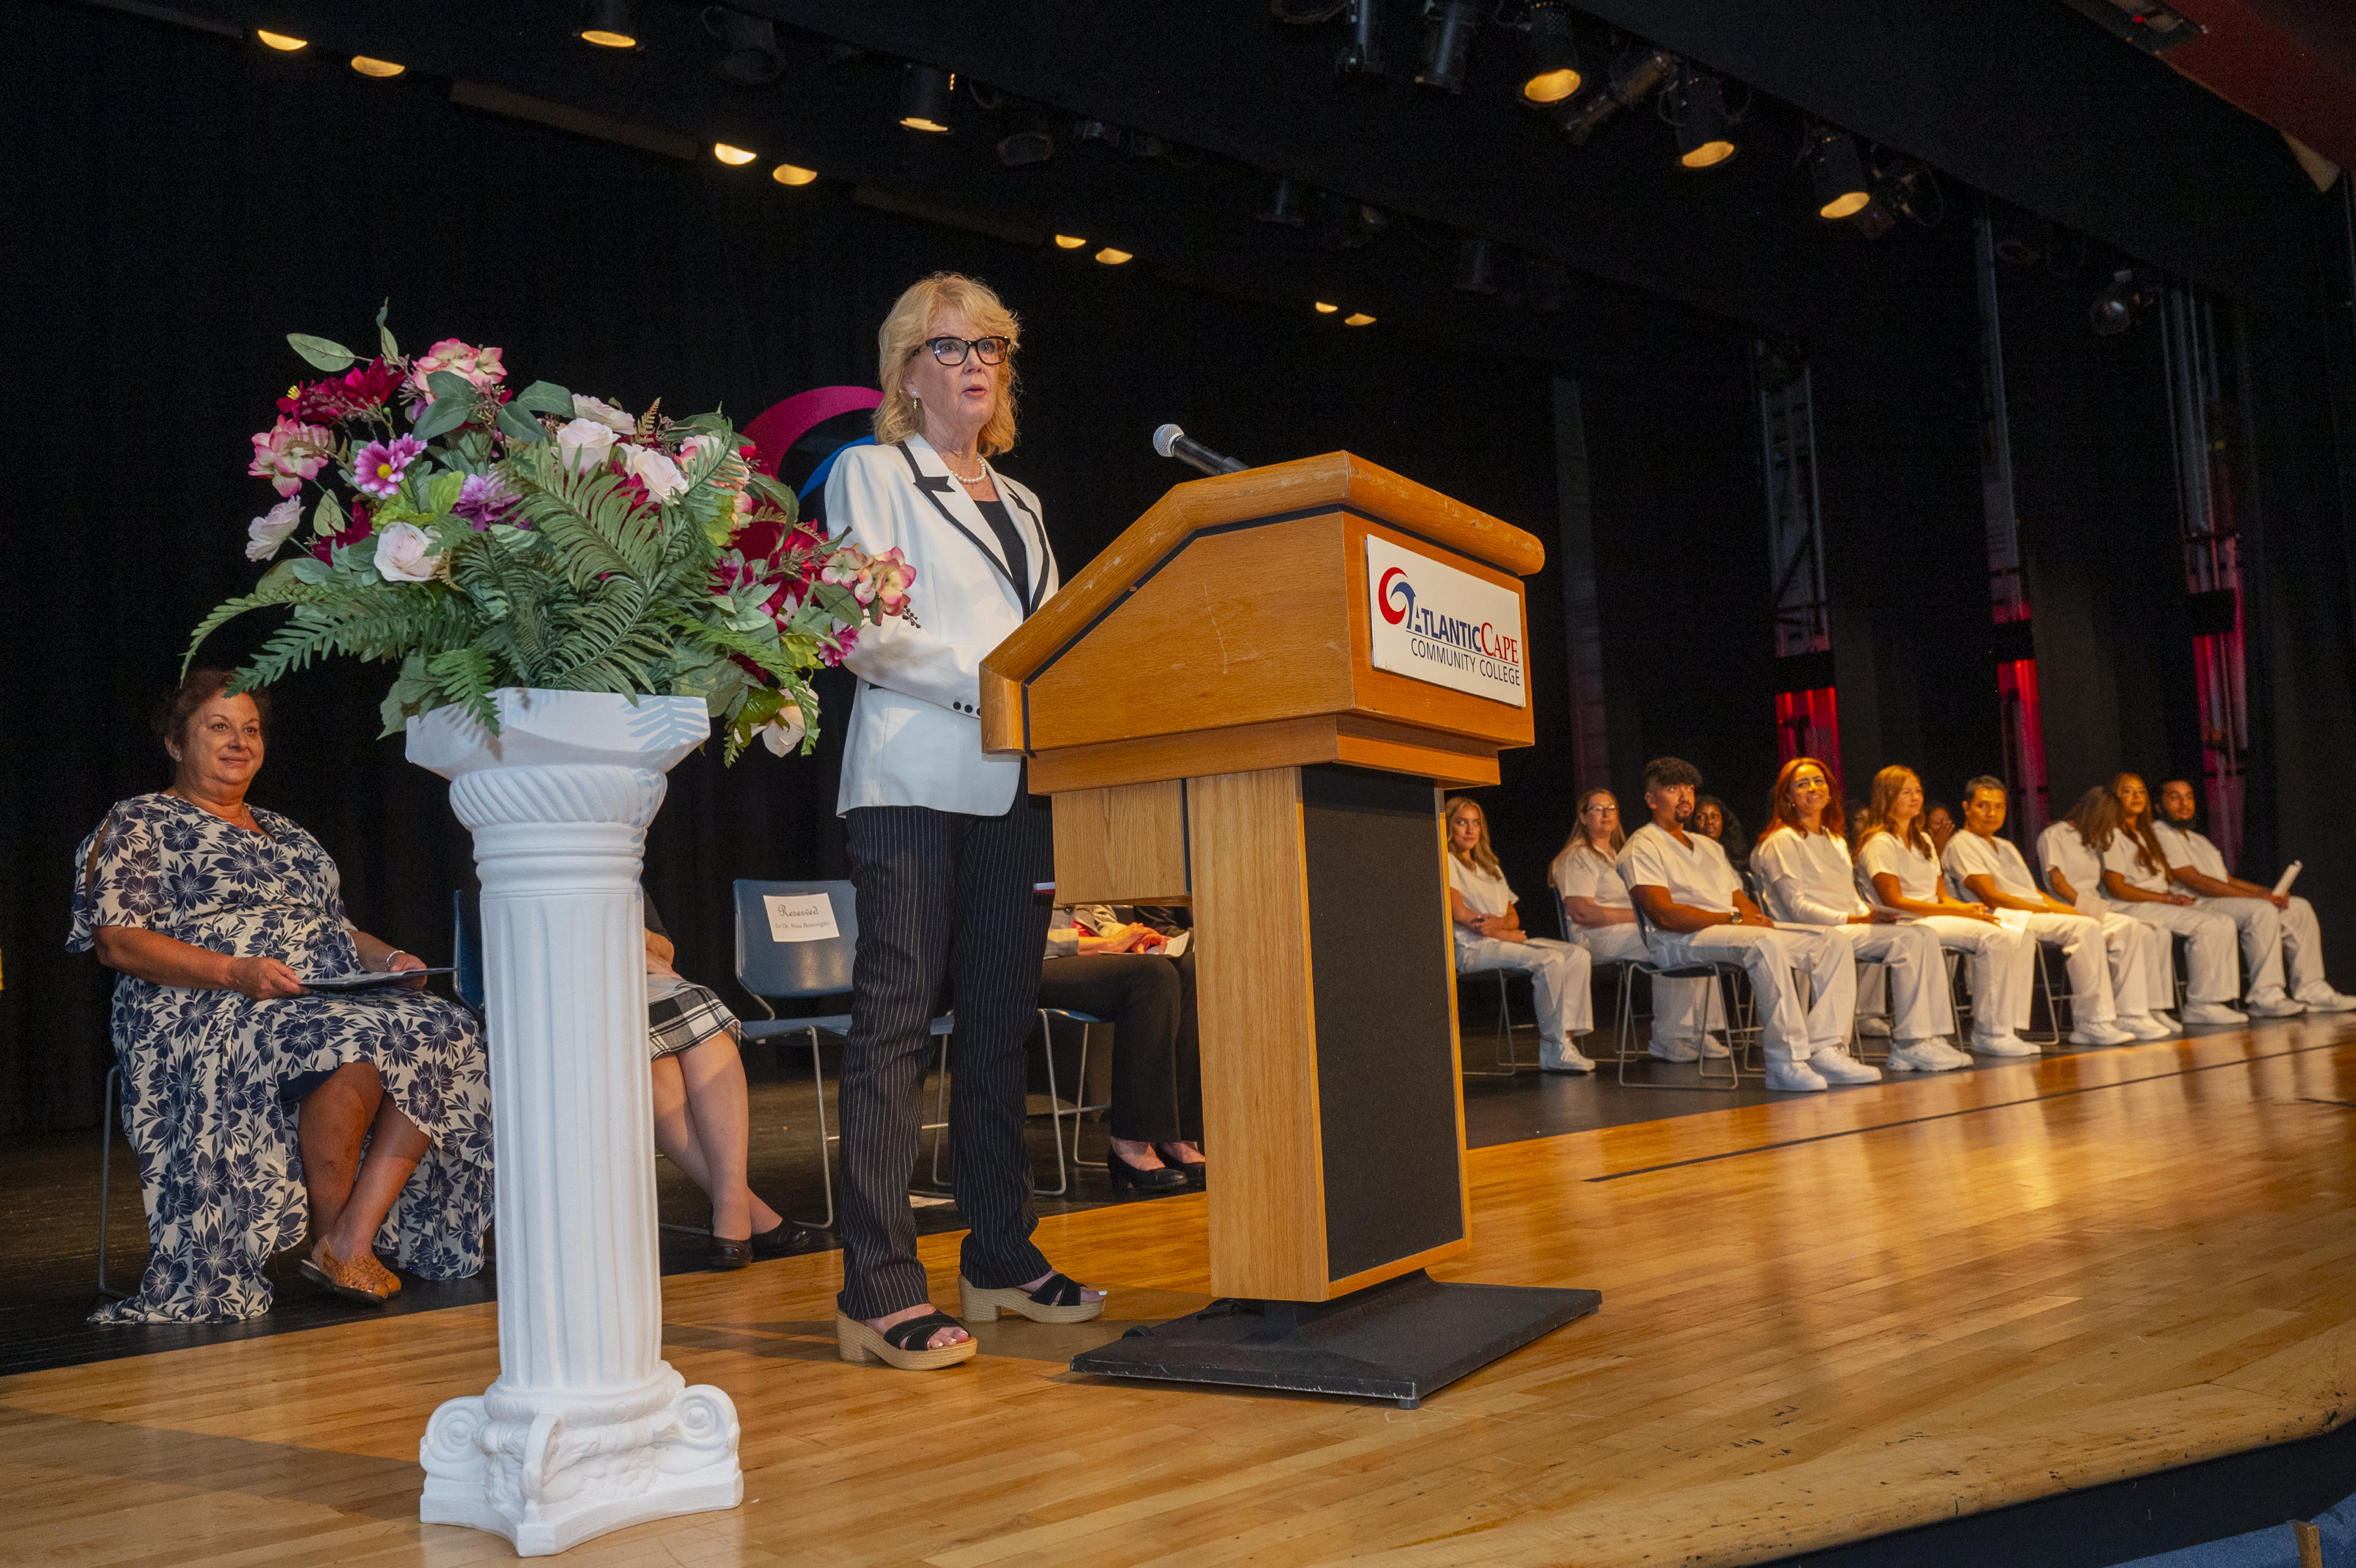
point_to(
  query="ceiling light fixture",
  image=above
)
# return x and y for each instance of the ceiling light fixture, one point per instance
(281, 42)
(610, 24)
(1069, 242)
(1448, 30)
(1111, 257)
(1361, 57)
(379, 69)
(1360, 320)
(793, 174)
(1696, 105)
(1549, 54)
(925, 94)
(731, 156)
(2131, 293)
(1323, 308)
(750, 56)
(1838, 173)
(1634, 78)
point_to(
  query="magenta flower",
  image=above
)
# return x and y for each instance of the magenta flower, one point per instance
(379, 468)
(288, 453)
(484, 499)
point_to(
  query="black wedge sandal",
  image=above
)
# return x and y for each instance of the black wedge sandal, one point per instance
(1058, 1299)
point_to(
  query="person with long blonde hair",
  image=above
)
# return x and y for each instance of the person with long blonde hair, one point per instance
(1596, 909)
(2136, 880)
(1898, 870)
(1488, 931)
(2073, 873)
(1805, 878)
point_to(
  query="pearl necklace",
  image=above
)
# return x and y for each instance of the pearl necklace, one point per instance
(979, 472)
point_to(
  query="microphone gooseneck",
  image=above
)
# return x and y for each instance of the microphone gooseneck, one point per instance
(1173, 441)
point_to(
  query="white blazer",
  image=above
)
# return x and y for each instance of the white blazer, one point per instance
(916, 731)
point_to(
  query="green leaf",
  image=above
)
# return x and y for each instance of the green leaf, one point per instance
(443, 414)
(545, 397)
(441, 492)
(384, 334)
(450, 384)
(326, 353)
(327, 517)
(309, 569)
(518, 426)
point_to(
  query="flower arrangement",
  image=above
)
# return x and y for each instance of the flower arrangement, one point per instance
(542, 538)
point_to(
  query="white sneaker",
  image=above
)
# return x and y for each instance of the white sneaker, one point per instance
(1917, 1056)
(1676, 1050)
(2005, 1045)
(1835, 1065)
(2096, 1033)
(1565, 1058)
(2147, 1025)
(1874, 1027)
(1940, 1050)
(1713, 1049)
(2275, 1007)
(2333, 1003)
(2213, 1013)
(1797, 1077)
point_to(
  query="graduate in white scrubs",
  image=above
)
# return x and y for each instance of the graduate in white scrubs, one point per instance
(1806, 879)
(2136, 880)
(1897, 869)
(2278, 929)
(2144, 983)
(1696, 912)
(1601, 919)
(1985, 868)
(1488, 934)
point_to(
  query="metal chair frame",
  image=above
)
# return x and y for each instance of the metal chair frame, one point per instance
(1740, 1037)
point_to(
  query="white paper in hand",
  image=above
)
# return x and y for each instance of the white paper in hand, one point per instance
(801, 917)
(2289, 875)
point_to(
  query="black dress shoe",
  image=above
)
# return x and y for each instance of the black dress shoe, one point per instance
(778, 1240)
(725, 1255)
(1191, 1169)
(1160, 1178)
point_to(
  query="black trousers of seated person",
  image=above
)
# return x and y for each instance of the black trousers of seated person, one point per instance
(941, 895)
(1157, 1057)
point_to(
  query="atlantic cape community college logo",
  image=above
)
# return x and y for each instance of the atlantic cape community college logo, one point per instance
(1432, 622)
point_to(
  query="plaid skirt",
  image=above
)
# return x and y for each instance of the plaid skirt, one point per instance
(688, 1018)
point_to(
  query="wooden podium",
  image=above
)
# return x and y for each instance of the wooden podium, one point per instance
(1249, 704)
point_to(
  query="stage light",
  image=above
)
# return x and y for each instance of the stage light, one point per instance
(925, 94)
(751, 57)
(1477, 266)
(1360, 320)
(281, 42)
(1549, 54)
(1698, 106)
(731, 156)
(1840, 174)
(793, 174)
(1323, 308)
(1337, 224)
(610, 24)
(2130, 293)
(1362, 56)
(1069, 242)
(1448, 30)
(1287, 204)
(1111, 257)
(1634, 78)
(376, 68)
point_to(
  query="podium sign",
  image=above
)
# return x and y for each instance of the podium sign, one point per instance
(1431, 622)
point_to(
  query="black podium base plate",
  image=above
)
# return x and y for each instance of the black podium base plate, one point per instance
(1403, 1340)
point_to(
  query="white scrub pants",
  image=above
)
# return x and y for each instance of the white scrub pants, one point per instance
(1683, 1010)
(2003, 969)
(2265, 933)
(1917, 976)
(2208, 947)
(2143, 962)
(2094, 988)
(1558, 971)
(2303, 952)
(1774, 956)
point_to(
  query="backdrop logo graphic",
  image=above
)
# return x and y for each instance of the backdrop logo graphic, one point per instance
(1437, 623)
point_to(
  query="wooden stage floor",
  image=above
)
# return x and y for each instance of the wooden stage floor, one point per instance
(1824, 1319)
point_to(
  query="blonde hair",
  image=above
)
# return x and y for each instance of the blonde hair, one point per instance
(1483, 856)
(1877, 818)
(1579, 839)
(901, 337)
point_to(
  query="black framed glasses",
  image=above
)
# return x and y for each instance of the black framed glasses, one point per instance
(952, 350)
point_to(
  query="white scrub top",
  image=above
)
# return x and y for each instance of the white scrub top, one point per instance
(1696, 874)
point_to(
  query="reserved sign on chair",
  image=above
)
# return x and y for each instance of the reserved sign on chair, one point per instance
(801, 917)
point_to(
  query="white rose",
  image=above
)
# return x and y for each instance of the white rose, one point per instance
(267, 532)
(605, 414)
(657, 473)
(784, 733)
(404, 554)
(583, 444)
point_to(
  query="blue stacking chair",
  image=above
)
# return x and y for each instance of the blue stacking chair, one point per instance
(466, 949)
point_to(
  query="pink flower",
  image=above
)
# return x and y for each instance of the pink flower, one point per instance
(378, 469)
(289, 453)
(657, 473)
(889, 577)
(484, 499)
(266, 534)
(479, 366)
(832, 650)
(405, 554)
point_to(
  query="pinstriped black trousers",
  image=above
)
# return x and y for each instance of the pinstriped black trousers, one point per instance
(940, 894)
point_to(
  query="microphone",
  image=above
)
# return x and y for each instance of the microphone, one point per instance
(1173, 441)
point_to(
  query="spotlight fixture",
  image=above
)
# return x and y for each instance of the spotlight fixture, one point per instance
(1288, 204)
(1028, 139)
(750, 56)
(1321, 308)
(281, 42)
(2131, 291)
(1549, 54)
(1696, 105)
(925, 94)
(793, 174)
(1338, 223)
(1477, 266)
(1069, 242)
(1362, 56)
(1448, 30)
(1634, 78)
(1111, 257)
(1901, 189)
(610, 24)
(1838, 173)
(376, 68)
(1359, 319)
(731, 156)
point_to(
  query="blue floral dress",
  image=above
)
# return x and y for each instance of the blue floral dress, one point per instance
(203, 1071)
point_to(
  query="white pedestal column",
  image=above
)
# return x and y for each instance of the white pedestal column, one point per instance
(587, 1428)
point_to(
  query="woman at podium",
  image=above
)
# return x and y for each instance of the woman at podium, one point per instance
(946, 850)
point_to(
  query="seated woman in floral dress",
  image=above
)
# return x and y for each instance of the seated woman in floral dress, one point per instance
(248, 1098)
